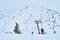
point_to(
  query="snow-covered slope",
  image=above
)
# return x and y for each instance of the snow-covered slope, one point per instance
(26, 19)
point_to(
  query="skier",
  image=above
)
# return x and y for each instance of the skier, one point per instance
(42, 31)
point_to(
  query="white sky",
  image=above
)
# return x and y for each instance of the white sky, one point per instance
(18, 4)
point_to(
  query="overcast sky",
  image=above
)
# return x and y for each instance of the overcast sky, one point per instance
(9, 5)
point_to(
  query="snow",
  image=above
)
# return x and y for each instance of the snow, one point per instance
(26, 20)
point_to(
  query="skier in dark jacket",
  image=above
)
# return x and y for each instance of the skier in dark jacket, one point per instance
(42, 31)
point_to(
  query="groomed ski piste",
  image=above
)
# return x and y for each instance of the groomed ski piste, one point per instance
(25, 18)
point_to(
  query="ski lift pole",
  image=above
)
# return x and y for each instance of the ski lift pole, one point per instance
(37, 22)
